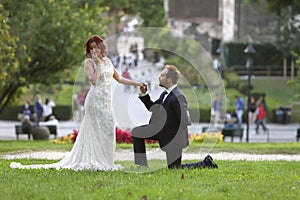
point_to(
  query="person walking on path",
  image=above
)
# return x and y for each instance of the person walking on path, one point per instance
(216, 110)
(261, 118)
(252, 110)
(239, 109)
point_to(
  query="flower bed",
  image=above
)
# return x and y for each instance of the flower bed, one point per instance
(124, 136)
(207, 137)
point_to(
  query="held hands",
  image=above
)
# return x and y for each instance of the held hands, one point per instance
(143, 88)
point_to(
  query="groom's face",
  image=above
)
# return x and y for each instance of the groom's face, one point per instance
(163, 78)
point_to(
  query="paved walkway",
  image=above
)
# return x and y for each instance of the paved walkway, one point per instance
(123, 155)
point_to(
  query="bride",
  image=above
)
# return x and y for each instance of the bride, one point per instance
(95, 144)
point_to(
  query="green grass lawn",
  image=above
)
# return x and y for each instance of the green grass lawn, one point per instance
(232, 180)
(15, 146)
(277, 92)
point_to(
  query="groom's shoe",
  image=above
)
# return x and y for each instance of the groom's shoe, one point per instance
(209, 162)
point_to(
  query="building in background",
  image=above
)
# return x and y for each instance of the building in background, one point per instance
(214, 21)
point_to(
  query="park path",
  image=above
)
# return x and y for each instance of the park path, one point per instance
(122, 155)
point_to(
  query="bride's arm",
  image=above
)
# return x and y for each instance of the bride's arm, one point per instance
(125, 81)
(92, 74)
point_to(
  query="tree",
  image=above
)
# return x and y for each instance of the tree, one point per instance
(8, 61)
(287, 16)
(48, 36)
(287, 30)
(151, 12)
(295, 83)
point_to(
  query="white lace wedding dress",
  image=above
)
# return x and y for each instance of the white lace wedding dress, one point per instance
(95, 144)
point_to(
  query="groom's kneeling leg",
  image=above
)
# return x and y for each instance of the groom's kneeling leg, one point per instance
(174, 158)
(194, 165)
(139, 149)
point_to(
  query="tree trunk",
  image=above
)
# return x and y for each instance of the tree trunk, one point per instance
(112, 29)
(6, 96)
(284, 68)
(292, 69)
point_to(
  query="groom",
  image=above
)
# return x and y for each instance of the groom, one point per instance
(168, 124)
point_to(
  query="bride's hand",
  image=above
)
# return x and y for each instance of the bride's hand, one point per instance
(96, 59)
(142, 84)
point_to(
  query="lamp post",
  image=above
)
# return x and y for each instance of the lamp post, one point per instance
(249, 51)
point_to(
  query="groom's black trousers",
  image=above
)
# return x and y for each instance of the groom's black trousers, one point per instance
(173, 156)
(139, 148)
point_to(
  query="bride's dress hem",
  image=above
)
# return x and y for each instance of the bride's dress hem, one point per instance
(17, 165)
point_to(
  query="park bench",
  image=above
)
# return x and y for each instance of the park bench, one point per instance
(52, 130)
(22, 130)
(27, 130)
(233, 132)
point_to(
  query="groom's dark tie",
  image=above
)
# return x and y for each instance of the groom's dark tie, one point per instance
(162, 96)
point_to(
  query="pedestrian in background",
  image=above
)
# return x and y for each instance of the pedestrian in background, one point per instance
(216, 109)
(48, 109)
(260, 118)
(252, 110)
(38, 109)
(27, 110)
(239, 109)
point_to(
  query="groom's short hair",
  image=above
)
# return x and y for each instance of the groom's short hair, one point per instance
(173, 73)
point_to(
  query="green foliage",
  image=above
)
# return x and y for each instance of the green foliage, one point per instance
(263, 148)
(266, 54)
(151, 12)
(233, 81)
(286, 13)
(62, 112)
(10, 113)
(9, 64)
(51, 36)
(295, 83)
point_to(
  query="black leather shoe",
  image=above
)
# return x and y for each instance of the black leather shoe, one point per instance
(209, 162)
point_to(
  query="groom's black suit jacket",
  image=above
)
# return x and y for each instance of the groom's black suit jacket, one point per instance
(170, 119)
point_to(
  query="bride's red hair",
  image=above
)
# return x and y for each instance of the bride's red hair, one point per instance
(94, 38)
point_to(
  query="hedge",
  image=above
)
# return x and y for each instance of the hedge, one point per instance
(62, 113)
(266, 54)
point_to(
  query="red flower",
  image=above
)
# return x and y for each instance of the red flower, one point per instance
(124, 136)
(74, 135)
